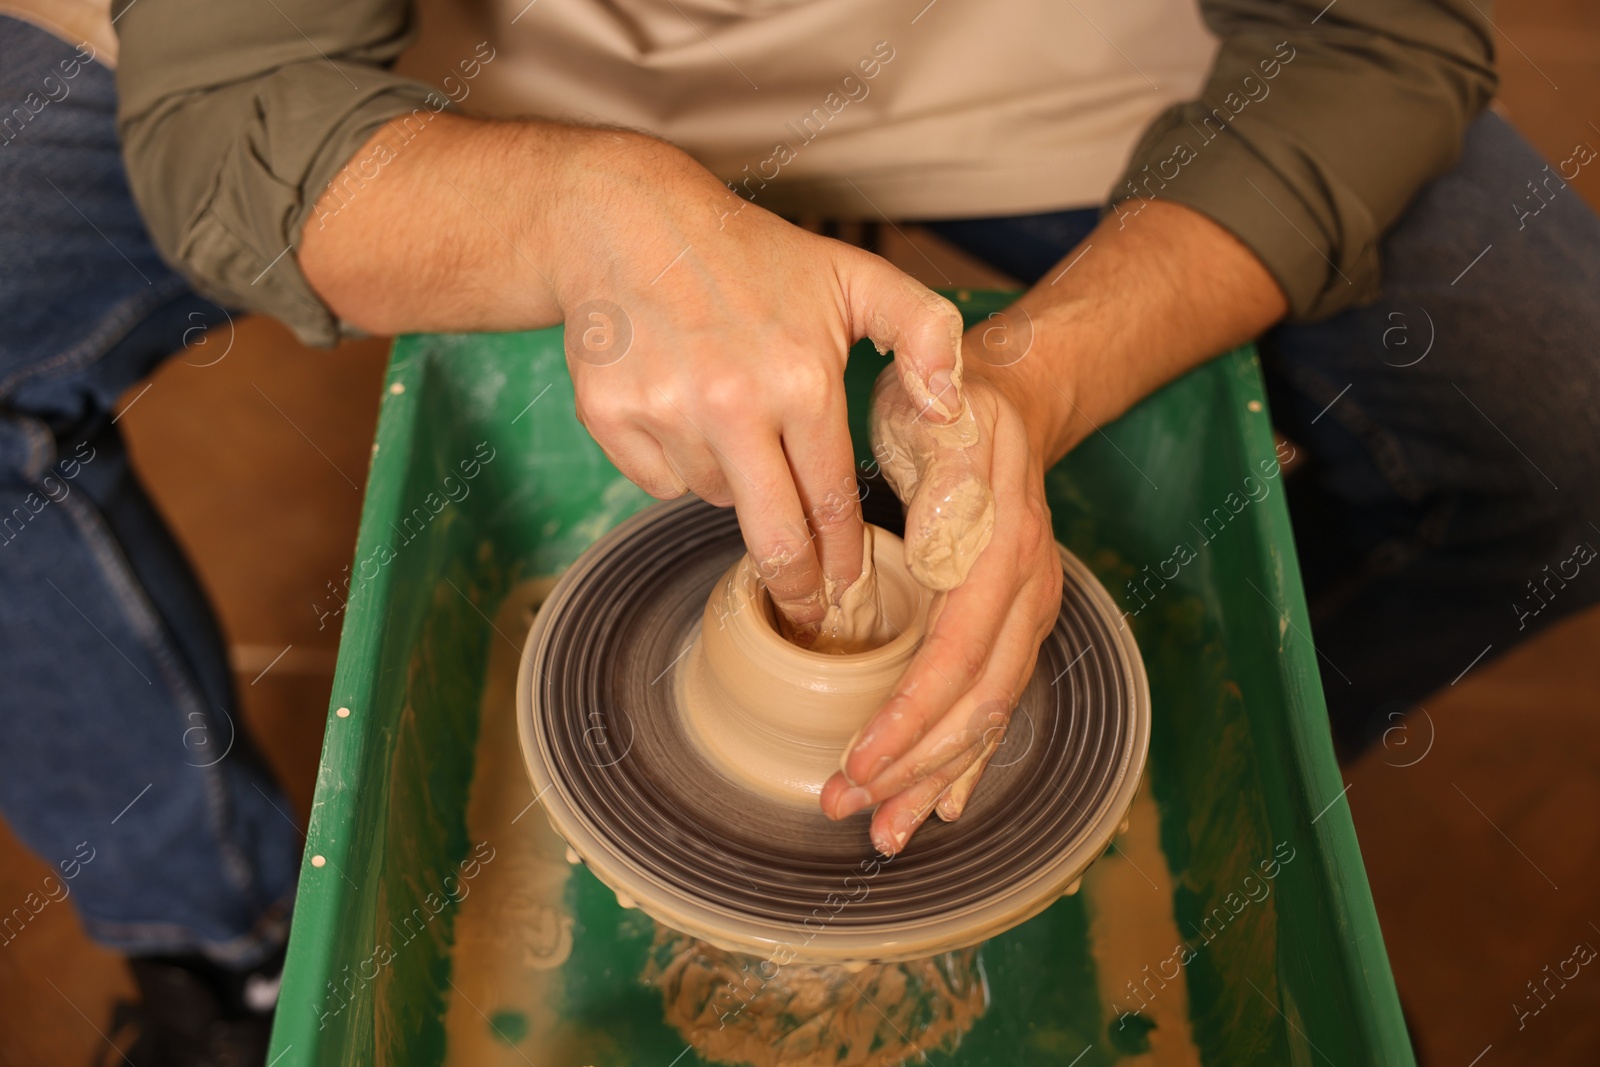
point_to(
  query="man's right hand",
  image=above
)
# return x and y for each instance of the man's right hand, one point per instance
(706, 337)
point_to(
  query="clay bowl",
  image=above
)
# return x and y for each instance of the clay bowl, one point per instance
(775, 717)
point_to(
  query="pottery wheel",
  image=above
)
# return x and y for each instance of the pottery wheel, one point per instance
(633, 797)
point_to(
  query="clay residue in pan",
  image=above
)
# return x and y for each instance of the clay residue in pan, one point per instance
(1128, 898)
(740, 1009)
(513, 930)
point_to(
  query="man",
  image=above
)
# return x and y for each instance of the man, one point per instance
(1285, 171)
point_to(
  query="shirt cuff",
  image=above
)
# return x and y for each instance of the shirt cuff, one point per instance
(238, 246)
(1320, 242)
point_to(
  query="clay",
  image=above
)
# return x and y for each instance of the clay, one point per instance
(1128, 899)
(776, 717)
(740, 1009)
(856, 620)
(513, 929)
(935, 468)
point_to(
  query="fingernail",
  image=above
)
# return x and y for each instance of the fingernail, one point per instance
(944, 400)
(955, 800)
(852, 801)
(892, 839)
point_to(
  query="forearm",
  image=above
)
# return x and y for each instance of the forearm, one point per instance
(232, 120)
(444, 235)
(1136, 305)
(498, 225)
(1318, 125)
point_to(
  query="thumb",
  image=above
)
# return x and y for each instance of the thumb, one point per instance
(922, 328)
(938, 470)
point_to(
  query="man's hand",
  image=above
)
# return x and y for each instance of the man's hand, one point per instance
(731, 383)
(931, 740)
(734, 386)
(1143, 302)
(706, 337)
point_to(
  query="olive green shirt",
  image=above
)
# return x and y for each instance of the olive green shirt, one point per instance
(1317, 125)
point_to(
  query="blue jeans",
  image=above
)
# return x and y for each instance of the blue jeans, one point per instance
(118, 702)
(1450, 502)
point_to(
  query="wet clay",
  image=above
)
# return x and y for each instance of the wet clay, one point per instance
(937, 470)
(739, 1009)
(856, 620)
(512, 927)
(776, 717)
(1128, 900)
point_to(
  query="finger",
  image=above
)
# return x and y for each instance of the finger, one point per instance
(953, 801)
(968, 726)
(774, 529)
(822, 460)
(921, 327)
(898, 817)
(641, 460)
(692, 458)
(951, 658)
(978, 716)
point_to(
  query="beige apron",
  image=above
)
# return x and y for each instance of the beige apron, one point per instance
(849, 108)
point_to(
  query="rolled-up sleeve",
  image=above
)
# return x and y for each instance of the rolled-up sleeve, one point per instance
(235, 118)
(1317, 126)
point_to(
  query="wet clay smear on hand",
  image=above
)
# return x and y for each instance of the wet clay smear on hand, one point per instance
(938, 470)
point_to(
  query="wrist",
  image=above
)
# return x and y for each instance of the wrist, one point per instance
(1032, 354)
(1134, 307)
(628, 204)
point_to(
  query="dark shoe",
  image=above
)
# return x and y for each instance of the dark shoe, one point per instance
(194, 1013)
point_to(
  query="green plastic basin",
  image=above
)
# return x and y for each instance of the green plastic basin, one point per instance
(1280, 969)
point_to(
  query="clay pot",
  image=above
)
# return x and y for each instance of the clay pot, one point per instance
(775, 717)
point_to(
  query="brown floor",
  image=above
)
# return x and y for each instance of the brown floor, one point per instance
(1484, 853)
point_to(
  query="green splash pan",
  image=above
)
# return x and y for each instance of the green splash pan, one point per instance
(1241, 767)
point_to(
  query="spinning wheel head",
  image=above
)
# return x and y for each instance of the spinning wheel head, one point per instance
(616, 765)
